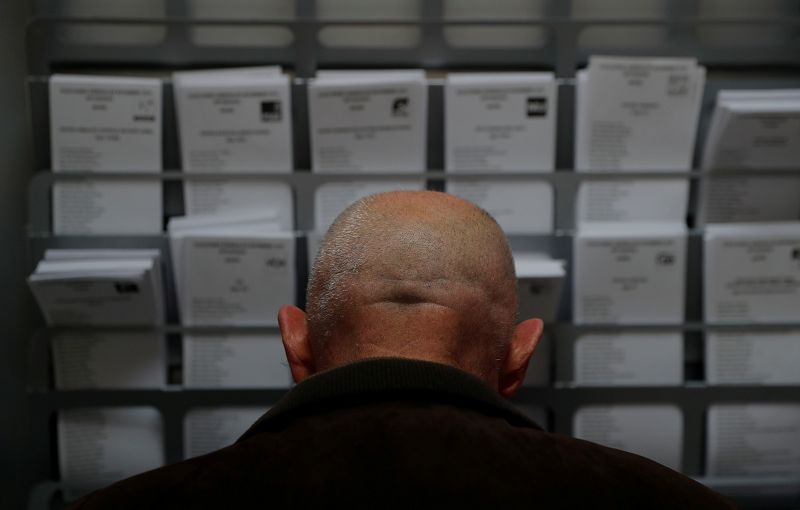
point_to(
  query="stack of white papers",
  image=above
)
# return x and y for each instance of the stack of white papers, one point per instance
(235, 361)
(753, 357)
(654, 431)
(366, 121)
(99, 287)
(632, 273)
(96, 360)
(97, 447)
(503, 122)
(234, 269)
(758, 130)
(636, 114)
(209, 429)
(105, 124)
(539, 284)
(753, 440)
(629, 359)
(234, 120)
(332, 198)
(752, 272)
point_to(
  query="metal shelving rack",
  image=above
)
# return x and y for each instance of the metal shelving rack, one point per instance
(562, 52)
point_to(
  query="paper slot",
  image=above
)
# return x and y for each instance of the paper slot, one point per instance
(654, 431)
(97, 447)
(368, 122)
(234, 361)
(629, 359)
(105, 124)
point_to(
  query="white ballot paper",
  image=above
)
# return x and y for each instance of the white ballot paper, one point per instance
(105, 124)
(753, 357)
(519, 206)
(99, 287)
(97, 360)
(752, 272)
(209, 429)
(368, 121)
(99, 446)
(629, 359)
(758, 130)
(654, 431)
(636, 114)
(540, 280)
(503, 122)
(500, 122)
(235, 361)
(629, 273)
(753, 440)
(232, 273)
(332, 198)
(255, 221)
(237, 120)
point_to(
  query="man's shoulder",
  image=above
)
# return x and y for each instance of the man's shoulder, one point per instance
(475, 459)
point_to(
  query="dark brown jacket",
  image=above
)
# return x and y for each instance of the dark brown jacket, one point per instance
(393, 433)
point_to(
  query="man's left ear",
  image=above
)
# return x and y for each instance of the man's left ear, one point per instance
(523, 343)
(294, 331)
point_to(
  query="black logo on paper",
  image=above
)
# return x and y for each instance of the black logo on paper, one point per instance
(276, 262)
(400, 107)
(665, 259)
(271, 111)
(537, 106)
(126, 288)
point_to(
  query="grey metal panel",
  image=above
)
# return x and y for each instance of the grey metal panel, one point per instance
(748, 67)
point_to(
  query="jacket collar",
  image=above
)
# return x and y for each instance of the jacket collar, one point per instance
(378, 379)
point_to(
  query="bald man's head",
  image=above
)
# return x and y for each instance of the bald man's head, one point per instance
(414, 274)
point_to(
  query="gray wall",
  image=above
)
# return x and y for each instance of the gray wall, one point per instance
(16, 468)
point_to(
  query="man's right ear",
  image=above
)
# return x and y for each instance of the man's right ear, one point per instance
(294, 331)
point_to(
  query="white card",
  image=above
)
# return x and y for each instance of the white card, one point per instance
(234, 121)
(209, 429)
(753, 440)
(238, 280)
(368, 123)
(83, 361)
(500, 122)
(332, 198)
(97, 447)
(235, 361)
(629, 359)
(520, 207)
(752, 357)
(105, 124)
(629, 274)
(654, 431)
(752, 272)
(632, 200)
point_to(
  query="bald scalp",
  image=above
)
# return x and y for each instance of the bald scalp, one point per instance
(406, 258)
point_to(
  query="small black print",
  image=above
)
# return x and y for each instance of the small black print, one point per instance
(665, 259)
(126, 288)
(400, 107)
(276, 262)
(678, 85)
(271, 111)
(537, 106)
(796, 254)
